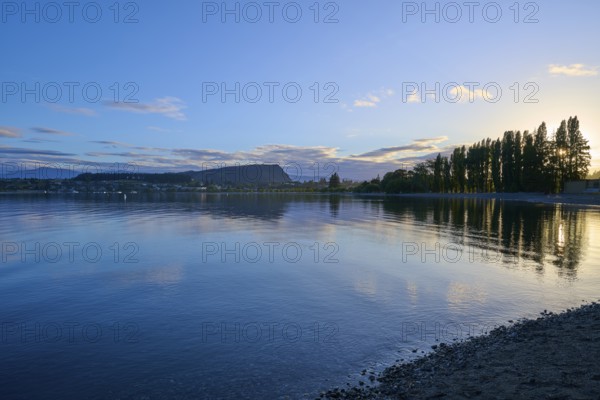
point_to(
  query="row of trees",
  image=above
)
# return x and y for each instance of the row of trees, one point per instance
(519, 161)
(168, 177)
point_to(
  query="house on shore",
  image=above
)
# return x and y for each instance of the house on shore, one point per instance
(584, 186)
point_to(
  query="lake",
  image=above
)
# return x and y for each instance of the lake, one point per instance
(266, 295)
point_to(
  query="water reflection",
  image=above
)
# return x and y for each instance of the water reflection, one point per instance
(512, 232)
(334, 205)
(463, 295)
(173, 291)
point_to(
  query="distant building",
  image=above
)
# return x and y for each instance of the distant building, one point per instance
(585, 186)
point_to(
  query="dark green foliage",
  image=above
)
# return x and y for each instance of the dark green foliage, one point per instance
(517, 185)
(579, 158)
(496, 165)
(508, 161)
(447, 171)
(559, 158)
(399, 181)
(541, 173)
(334, 181)
(438, 178)
(529, 162)
(459, 169)
(150, 178)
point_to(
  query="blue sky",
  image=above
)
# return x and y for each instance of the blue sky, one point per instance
(367, 117)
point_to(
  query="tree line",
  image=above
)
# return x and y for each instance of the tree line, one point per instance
(167, 177)
(517, 162)
(594, 175)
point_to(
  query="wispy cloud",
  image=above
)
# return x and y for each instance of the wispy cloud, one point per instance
(362, 166)
(300, 161)
(577, 70)
(39, 140)
(50, 131)
(262, 154)
(203, 154)
(170, 107)
(390, 152)
(31, 152)
(7, 132)
(433, 140)
(371, 100)
(127, 154)
(464, 94)
(451, 94)
(277, 151)
(417, 146)
(88, 112)
(109, 144)
(365, 103)
(413, 98)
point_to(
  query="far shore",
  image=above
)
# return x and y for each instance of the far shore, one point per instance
(592, 199)
(574, 199)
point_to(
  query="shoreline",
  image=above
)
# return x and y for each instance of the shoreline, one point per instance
(591, 200)
(554, 356)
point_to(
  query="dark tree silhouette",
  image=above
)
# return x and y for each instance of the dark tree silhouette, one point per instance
(525, 161)
(334, 181)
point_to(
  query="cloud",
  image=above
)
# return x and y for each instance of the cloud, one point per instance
(150, 148)
(26, 163)
(39, 140)
(463, 94)
(289, 151)
(50, 131)
(261, 154)
(364, 103)
(438, 139)
(371, 100)
(417, 146)
(127, 154)
(204, 155)
(7, 132)
(388, 152)
(88, 112)
(444, 151)
(577, 70)
(413, 98)
(111, 144)
(301, 162)
(451, 93)
(30, 152)
(170, 107)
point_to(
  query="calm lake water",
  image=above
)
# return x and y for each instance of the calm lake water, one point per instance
(263, 296)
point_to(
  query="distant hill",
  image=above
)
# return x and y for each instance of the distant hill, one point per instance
(256, 174)
(17, 172)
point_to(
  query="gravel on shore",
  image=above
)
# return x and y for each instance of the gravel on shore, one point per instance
(556, 356)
